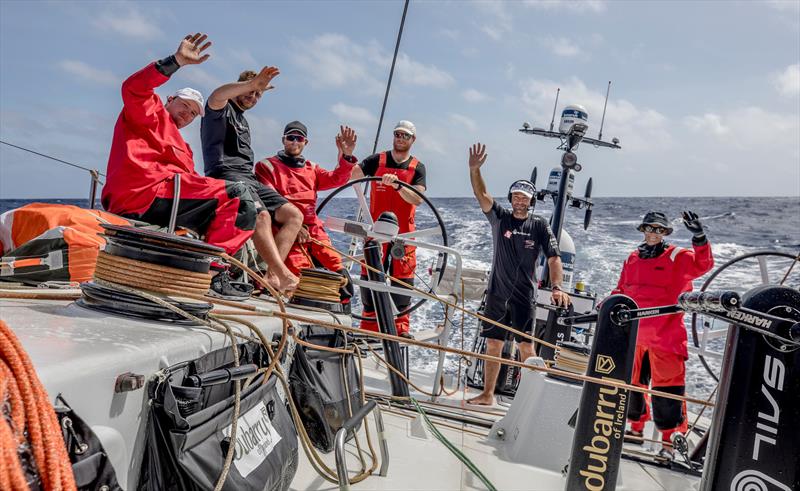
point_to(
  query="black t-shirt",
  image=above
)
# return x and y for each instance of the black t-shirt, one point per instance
(370, 166)
(225, 135)
(516, 251)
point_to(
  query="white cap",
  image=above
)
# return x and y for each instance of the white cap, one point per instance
(406, 127)
(191, 94)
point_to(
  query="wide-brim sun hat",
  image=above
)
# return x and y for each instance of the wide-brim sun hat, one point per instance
(655, 218)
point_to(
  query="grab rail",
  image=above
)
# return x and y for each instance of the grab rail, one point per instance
(341, 436)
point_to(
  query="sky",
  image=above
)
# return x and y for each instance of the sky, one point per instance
(705, 96)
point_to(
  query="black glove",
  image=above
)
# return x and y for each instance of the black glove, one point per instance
(692, 223)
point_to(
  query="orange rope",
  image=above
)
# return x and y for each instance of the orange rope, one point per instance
(29, 410)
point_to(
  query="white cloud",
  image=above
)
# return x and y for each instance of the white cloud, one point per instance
(473, 95)
(245, 58)
(707, 123)
(784, 5)
(561, 46)
(452, 34)
(129, 22)
(461, 121)
(569, 5)
(754, 127)
(353, 115)
(497, 19)
(346, 63)
(343, 63)
(203, 81)
(87, 72)
(788, 81)
(415, 73)
(639, 129)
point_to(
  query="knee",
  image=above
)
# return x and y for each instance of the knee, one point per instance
(289, 214)
(494, 347)
(263, 221)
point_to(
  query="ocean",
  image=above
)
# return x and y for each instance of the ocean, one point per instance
(735, 226)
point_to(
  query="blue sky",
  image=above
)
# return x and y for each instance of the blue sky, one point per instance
(705, 96)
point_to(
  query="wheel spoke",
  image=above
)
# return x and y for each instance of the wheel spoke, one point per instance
(762, 267)
(363, 206)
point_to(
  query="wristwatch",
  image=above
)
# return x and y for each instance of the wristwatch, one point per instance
(398, 187)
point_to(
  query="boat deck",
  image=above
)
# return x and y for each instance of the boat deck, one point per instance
(79, 353)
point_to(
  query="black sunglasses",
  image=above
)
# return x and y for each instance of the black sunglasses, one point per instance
(295, 138)
(654, 230)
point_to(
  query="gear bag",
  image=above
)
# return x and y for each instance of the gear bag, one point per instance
(90, 464)
(321, 382)
(188, 432)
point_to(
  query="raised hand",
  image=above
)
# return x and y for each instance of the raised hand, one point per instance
(190, 51)
(692, 223)
(261, 82)
(346, 140)
(477, 156)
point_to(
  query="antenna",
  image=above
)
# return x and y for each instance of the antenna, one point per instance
(554, 109)
(603, 120)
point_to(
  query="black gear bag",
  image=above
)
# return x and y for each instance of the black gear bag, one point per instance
(188, 431)
(90, 464)
(317, 382)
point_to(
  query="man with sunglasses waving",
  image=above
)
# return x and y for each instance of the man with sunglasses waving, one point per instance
(227, 155)
(654, 275)
(518, 236)
(395, 165)
(298, 180)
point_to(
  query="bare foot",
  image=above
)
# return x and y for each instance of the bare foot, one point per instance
(482, 400)
(273, 281)
(288, 282)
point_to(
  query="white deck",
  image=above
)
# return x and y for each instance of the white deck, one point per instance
(79, 353)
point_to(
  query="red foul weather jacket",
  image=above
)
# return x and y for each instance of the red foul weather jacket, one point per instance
(658, 281)
(147, 148)
(385, 198)
(300, 184)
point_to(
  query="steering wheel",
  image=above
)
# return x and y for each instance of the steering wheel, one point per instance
(773, 269)
(363, 215)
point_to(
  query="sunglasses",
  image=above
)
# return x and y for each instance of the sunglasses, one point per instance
(654, 230)
(402, 135)
(295, 138)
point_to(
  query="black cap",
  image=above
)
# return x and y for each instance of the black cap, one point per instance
(656, 218)
(296, 127)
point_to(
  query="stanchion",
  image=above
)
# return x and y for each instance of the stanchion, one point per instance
(755, 441)
(597, 444)
(385, 317)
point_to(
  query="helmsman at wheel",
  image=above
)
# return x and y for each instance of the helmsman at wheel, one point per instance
(387, 195)
(518, 236)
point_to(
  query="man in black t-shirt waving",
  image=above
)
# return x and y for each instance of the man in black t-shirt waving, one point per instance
(517, 236)
(386, 195)
(228, 155)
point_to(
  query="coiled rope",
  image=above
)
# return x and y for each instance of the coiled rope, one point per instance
(29, 423)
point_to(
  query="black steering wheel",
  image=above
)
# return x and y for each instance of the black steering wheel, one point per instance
(731, 276)
(439, 230)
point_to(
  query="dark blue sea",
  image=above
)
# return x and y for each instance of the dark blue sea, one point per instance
(736, 226)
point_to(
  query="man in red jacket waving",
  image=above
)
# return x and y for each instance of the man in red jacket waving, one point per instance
(654, 275)
(148, 150)
(298, 180)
